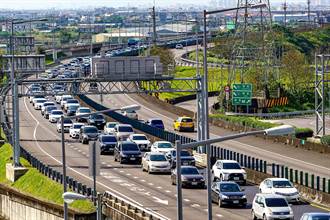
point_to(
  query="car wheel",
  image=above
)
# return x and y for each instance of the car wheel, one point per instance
(173, 182)
(215, 179)
(221, 178)
(115, 158)
(179, 129)
(149, 170)
(264, 217)
(253, 215)
(142, 168)
(220, 203)
(244, 183)
(120, 160)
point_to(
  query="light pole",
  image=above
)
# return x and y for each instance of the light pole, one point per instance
(126, 108)
(205, 96)
(280, 130)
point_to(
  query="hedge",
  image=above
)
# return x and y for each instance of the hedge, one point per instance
(325, 139)
(303, 133)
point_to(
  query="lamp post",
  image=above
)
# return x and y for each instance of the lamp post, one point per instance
(205, 96)
(280, 130)
(126, 108)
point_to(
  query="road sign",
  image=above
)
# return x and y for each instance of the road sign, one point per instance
(242, 94)
(25, 63)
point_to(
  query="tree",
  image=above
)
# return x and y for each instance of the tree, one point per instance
(40, 50)
(166, 56)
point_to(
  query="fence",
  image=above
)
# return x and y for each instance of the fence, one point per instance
(277, 170)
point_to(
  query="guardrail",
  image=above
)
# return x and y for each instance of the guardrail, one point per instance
(273, 115)
(303, 178)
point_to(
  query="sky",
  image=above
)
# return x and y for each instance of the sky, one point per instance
(61, 4)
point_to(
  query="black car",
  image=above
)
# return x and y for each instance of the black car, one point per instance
(189, 177)
(186, 158)
(228, 193)
(72, 109)
(107, 143)
(97, 120)
(48, 110)
(88, 133)
(127, 152)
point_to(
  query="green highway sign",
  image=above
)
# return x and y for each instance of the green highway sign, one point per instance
(242, 94)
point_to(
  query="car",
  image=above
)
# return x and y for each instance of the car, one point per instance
(155, 162)
(81, 111)
(156, 123)
(190, 176)
(186, 158)
(229, 170)
(58, 99)
(58, 89)
(64, 98)
(315, 216)
(269, 206)
(72, 109)
(48, 110)
(184, 124)
(228, 193)
(280, 186)
(122, 131)
(141, 140)
(67, 125)
(37, 103)
(35, 97)
(107, 143)
(131, 114)
(45, 104)
(126, 151)
(74, 130)
(70, 102)
(179, 46)
(162, 146)
(55, 115)
(109, 127)
(97, 120)
(88, 133)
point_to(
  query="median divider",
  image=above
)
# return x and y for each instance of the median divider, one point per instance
(256, 165)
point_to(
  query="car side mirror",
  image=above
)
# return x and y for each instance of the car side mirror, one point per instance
(242, 190)
(243, 167)
(262, 205)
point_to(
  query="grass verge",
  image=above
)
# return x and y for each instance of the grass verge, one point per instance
(36, 184)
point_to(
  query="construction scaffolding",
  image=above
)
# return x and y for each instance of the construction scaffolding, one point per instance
(322, 73)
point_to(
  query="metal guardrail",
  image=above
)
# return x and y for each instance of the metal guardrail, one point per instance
(278, 170)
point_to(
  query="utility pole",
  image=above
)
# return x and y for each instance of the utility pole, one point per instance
(309, 11)
(154, 36)
(91, 35)
(285, 7)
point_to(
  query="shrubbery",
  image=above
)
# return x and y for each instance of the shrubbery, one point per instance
(303, 133)
(325, 140)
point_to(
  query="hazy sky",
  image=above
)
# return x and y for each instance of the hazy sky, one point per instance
(42, 4)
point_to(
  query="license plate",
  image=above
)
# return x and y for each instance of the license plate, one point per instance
(235, 201)
(193, 183)
(132, 158)
(236, 178)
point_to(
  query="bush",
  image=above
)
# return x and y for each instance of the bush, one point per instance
(303, 133)
(325, 140)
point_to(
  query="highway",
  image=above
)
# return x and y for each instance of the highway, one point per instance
(153, 192)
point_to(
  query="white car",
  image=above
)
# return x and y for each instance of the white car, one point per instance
(162, 147)
(45, 104)
(123, 131)
(55, 115)
(58, 99)
(67, 123)
(229, 170)
(74, 131)
(37, 103)
(270, 206)
(70, 102)
(109, 127)
(35, 97)
(131, 114)
(280, 186)
(64, 98)
(81, 111)
(154, 162)
(141, 140)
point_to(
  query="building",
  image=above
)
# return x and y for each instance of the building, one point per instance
(116, 37)
(279, 18)
(24, 27)
(94, 28)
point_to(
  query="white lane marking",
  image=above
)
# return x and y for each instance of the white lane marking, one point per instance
(159, 187)
(220, 216)
(142, 180)
(109, 165)
(195, 205)
(168, 191)
(121, 171)
(128, 174)
(135, 177)
(187, 200)
(151, 184)
(161, 201)
(103, 163)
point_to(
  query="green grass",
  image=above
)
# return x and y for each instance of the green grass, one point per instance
(36, 184)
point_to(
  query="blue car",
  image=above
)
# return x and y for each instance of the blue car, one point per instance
(156, 123)
(315, 216)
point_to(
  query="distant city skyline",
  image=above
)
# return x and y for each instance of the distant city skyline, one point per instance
(76, 4)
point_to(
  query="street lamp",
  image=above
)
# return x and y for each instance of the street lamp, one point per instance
(205, 96)
(125, 108)
(280, 130)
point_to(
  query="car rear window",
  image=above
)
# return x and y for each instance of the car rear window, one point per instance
(129, 147)
(109, 139)
(158, 157)
(157, 122)
(125, 129)
(321, 217)
(189, 171)
(165, 145)
(183, 153)
(90, 130)
(276, 202)
(140, 138)
(186, 120)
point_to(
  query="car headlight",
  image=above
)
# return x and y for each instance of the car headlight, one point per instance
(244, 197)
(183, 178)
(269, 211)
(291, 211)
(203, 180)
(224, 197)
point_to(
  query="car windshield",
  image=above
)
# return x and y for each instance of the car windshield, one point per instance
(282, 184)
(189, 171)
(125, 129)
(231, 166)
(50, 108)
(109, 139)
(165, 145)
(85, 110)
(77, 126)
(319, 217)
(97, 116)
(40, 101)
(49, 103)
(66, 98)
(157, 122)
(158, 157)
(67, 121)
(140, 138)
(111, 125)
(73, 107)
(229, 188)
(90, 130)
(276, 202)
(72, 101)
(186, 120)
(129, 147)
(183, 153)
(54, 112)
